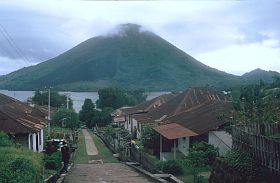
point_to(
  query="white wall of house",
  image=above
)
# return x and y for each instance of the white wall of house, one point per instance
(183, 145)
(222, 140)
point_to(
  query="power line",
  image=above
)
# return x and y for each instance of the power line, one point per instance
(13, 44)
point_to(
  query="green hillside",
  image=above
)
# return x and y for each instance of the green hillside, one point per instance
(259, 74)
(131, 59)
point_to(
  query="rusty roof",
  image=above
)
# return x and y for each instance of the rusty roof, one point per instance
(174, 131)
(187, 100)
(149, 105)
(18, 117)
(202, 118)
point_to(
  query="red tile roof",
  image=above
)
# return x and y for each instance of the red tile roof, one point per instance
(174, 131)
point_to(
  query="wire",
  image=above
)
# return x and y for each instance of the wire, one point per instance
(13, 44)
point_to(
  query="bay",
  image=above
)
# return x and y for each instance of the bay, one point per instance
(77, 97)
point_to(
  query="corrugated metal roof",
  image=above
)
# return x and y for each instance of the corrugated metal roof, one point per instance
(174, 131)
(149, 105)
(202, 118)
(18, 117)
(188, 100)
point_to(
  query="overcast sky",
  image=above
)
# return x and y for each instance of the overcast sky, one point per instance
(232, 36)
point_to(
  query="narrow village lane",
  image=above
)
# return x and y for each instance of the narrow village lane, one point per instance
(90, 146)
(99, 172)
(103, 173)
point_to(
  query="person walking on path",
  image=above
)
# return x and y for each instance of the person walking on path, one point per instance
(65, 152)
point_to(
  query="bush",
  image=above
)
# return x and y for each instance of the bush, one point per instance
(242, 163)
(202, 154)
(19, 165)
(53, 161)
(5, 140)
(171, 166)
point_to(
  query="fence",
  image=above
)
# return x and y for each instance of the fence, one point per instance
(147, 161)
(258, 141)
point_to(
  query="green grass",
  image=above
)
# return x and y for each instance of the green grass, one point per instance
(187, 175)
(61, 130)
(80, 156)
(103, 152)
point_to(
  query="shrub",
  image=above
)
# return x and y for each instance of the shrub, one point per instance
(19, 165)
(171, 166)
(201, 154)
(242, 163)
(4, 139)
(53, 161)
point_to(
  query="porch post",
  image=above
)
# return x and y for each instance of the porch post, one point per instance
(34, 141)
(160, 146)
(174, 148)
(38, 142)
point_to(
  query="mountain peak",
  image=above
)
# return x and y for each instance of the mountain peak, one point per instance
(259, 71)
(260, 74)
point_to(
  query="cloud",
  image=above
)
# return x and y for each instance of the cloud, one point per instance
(44, 29)
(239, 59)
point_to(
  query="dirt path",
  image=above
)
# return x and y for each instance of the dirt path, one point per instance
(90, 146)
(104, 173)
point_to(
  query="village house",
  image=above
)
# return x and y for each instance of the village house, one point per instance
(126, 116)
(188, 117)
(24, 122)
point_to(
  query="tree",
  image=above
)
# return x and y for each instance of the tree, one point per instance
(258, 103)
(57, 100)
(102, 118)
(116, 98)
(68, 117)
(87, 113)
(149, 137)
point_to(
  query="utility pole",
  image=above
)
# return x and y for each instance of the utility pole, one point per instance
(49, 111)
(67, 100)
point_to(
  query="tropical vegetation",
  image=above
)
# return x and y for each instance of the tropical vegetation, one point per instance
(56, 99)
(18, 164)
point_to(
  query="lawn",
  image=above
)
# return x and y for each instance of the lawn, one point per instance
(103, 152)
(80, 156)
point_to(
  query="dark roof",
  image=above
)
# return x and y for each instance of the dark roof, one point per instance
(202, 118)
(148, 105)
(18, 117)
(44, 110)
(36, 111)
(190, 98)
(197, 111)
